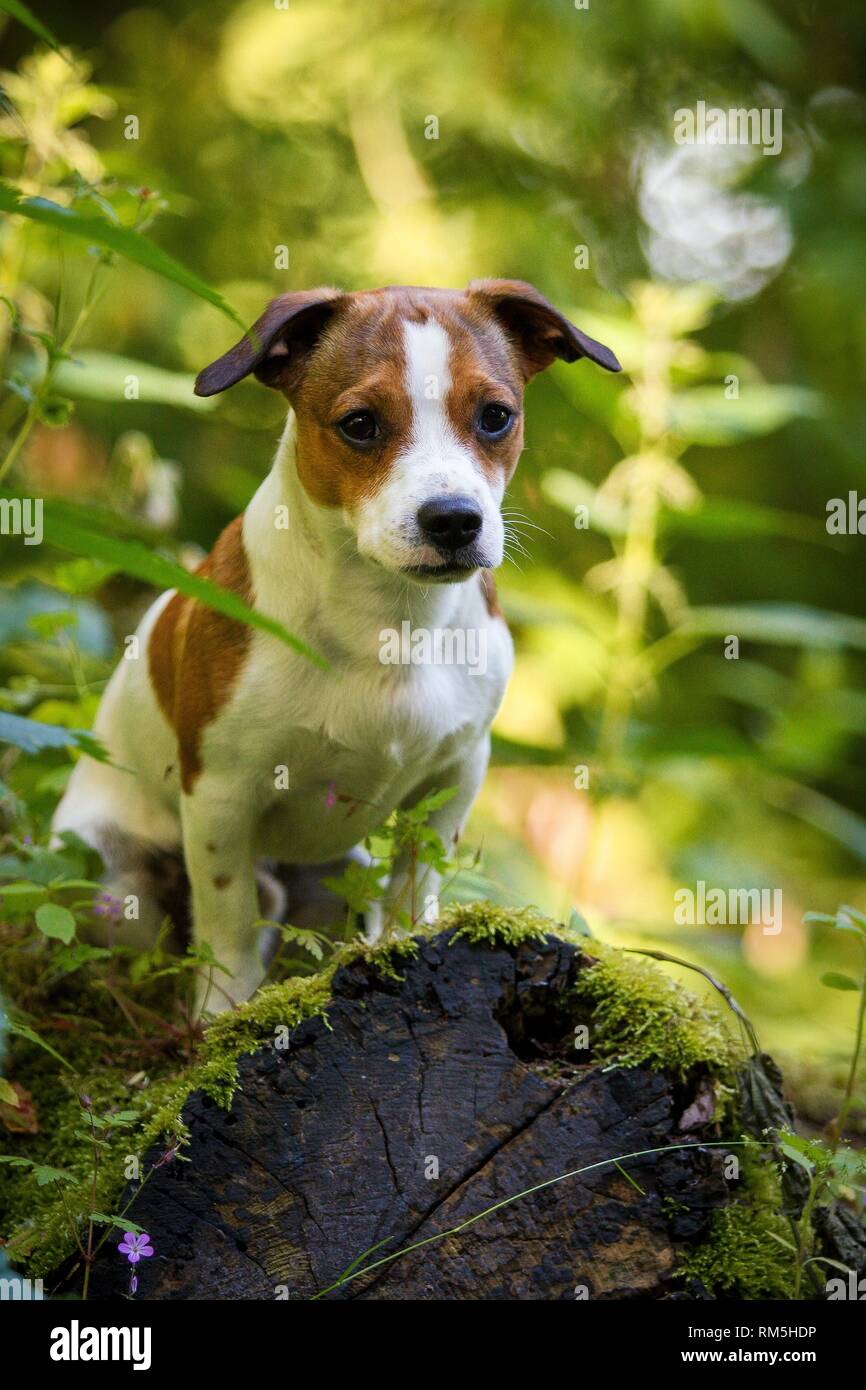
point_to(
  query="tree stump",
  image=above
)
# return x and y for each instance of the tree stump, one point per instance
(437, 1088)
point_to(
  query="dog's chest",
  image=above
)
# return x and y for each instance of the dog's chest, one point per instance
(343, 749)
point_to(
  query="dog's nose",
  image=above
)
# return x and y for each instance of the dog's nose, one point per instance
(450, 522)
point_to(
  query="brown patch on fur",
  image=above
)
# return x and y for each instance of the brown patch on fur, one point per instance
(221, 880)
(491, 598)
(195, 654)
(358, 364)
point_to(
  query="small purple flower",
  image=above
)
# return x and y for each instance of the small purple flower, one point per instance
(104, 905)
(135, 1247)
(28, 840)
(133, 1284)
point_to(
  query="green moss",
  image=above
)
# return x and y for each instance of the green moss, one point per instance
(486, 924)
(741, 1255)
(641, 1017)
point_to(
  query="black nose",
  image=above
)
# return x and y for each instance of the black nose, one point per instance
(450, 522)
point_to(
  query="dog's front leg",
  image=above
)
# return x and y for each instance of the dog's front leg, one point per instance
(414, 887)
(218, 839)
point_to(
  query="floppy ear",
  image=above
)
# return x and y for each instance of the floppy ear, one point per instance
(275, 345)
(539, 332)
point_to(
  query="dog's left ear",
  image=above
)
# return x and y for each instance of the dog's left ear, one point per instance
(276, 344)
(540, 332)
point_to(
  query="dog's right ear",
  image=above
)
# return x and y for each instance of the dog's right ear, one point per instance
(275, 346)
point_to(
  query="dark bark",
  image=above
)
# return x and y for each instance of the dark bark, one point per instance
(468, 1061)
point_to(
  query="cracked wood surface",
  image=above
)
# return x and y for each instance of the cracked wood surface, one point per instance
(428, 1099)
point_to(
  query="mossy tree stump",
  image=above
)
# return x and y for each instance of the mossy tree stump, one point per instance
(441, 1079)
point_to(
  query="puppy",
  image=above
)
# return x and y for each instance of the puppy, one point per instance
(381, 515)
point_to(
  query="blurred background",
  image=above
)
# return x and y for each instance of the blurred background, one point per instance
(657, 515)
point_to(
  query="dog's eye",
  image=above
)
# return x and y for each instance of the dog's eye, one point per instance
(495, 419)
(359, 426)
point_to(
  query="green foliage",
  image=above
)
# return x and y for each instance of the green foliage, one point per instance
(747, 1252)
(126, 241)
(25, 16)
(643, 1018)
(407, 835)
(32, 736)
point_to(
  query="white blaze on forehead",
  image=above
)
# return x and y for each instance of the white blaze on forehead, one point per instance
(428, 380)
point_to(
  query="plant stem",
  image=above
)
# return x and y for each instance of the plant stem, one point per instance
(56, 356)
(88, 1259)
(855, 1062)
(804, 1231)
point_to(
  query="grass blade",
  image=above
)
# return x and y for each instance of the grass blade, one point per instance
(26, 17)
(126, 242)
(135, 559)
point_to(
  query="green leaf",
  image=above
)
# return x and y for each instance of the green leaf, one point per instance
(101, 376)
(821, 1260)
(781, 1241)
(735, 519)
(123, 240)
(309, 940)
(578, 923)
(68, 959)
(8, 1094)
(834, 980)
(99, 1219)
(44, 1175)
(704, 415)
(20, 1030)
(41, 1172)
(56, 922)
(26, 17)
(49, 624)
(134, 558)
(778, 624)
(33, 737)
(795, 1156)
(21, 898)
(424, 808)
(508, 752)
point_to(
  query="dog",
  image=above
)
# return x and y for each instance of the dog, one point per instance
(382, 509)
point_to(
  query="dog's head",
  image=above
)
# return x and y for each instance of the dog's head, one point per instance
(409, 408)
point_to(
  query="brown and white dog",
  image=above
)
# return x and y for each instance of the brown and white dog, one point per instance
(406, 425)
